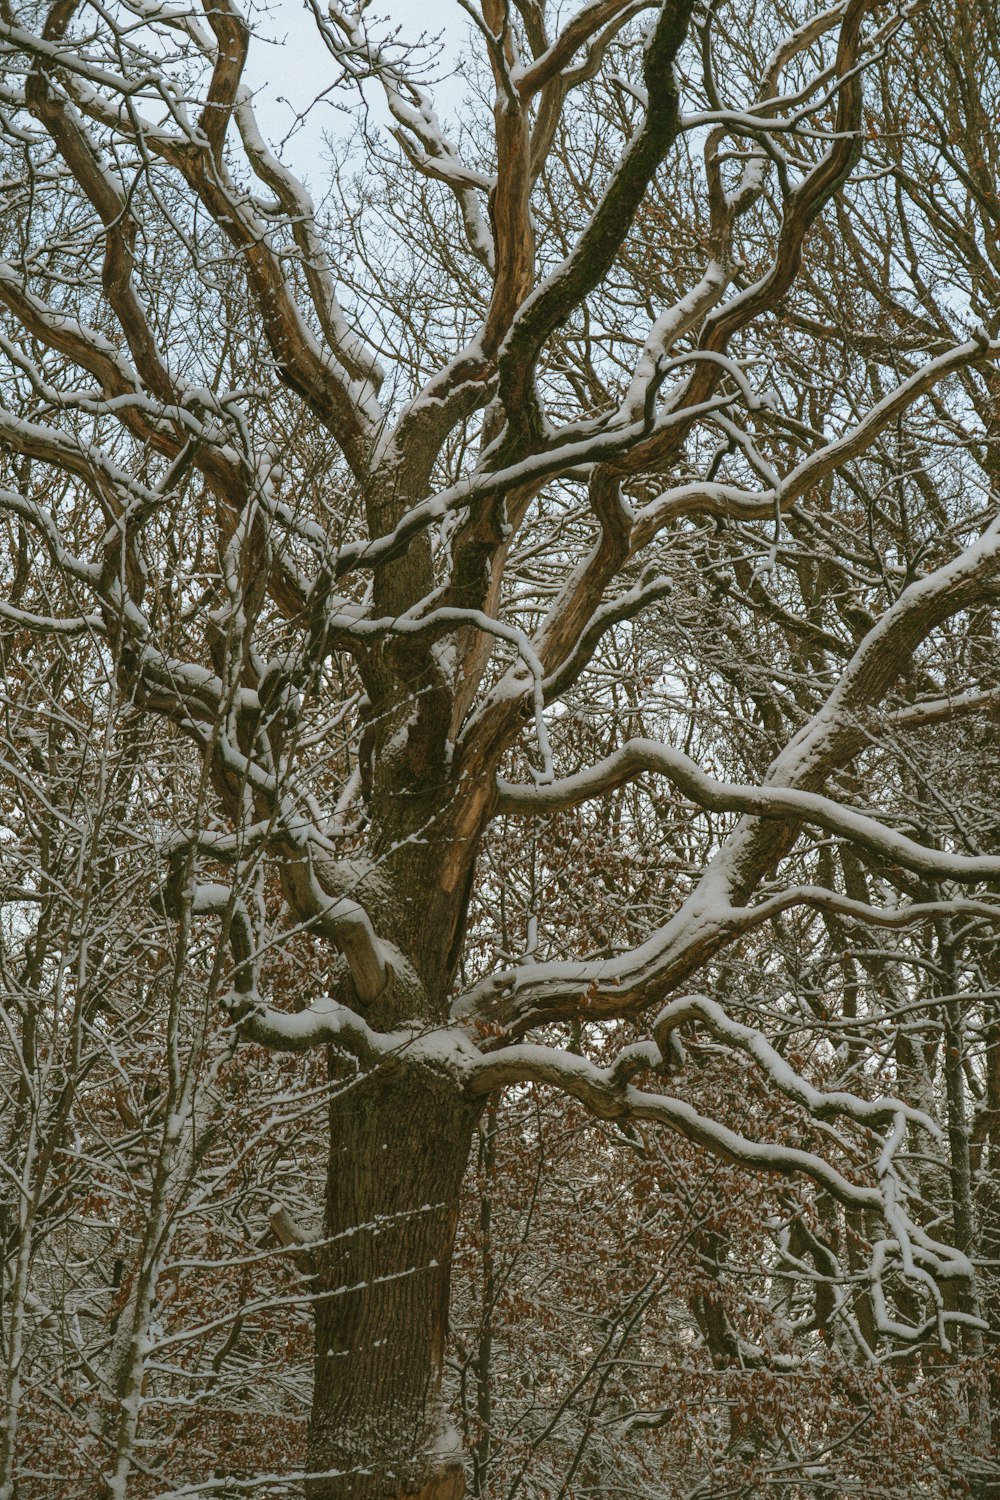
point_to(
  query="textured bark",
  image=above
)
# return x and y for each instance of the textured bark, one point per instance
(399, 1142)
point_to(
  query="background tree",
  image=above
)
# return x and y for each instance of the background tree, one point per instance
(443, 629)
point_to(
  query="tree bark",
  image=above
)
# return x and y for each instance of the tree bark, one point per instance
(400, 1137)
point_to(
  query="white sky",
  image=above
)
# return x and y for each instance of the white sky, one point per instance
(288, 67)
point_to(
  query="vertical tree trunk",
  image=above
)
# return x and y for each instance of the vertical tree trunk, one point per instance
(399, 1141)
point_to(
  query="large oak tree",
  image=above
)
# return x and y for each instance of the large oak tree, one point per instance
(549, 561)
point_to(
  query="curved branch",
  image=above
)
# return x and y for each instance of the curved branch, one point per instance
(786, 804)
(610, 1098)
(733, 503)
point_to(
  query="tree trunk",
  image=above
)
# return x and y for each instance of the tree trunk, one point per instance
(399, 1141)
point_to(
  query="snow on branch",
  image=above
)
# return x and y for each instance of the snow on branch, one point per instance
(726, 500)
(585, 25)
(593, 254)
(609, 1094)
(353, 352)
(639, 757)
(822, 1105)
(418, 129)
(606, 1093)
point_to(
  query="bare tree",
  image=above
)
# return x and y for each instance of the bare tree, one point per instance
(622, 456)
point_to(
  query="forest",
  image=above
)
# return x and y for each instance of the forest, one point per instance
(499, 757)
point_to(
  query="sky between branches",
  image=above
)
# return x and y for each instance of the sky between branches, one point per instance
(288, 68)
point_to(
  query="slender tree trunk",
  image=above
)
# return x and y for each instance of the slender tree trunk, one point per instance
(399, 1141)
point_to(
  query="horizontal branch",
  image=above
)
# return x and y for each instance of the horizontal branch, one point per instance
(608, 1098)
(821, 1104)
(639, 757)
(837, 904)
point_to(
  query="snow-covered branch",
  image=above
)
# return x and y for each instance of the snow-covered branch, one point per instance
(641, 757)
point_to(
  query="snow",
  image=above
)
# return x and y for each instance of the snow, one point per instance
(784, 1077)
(774, 799)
